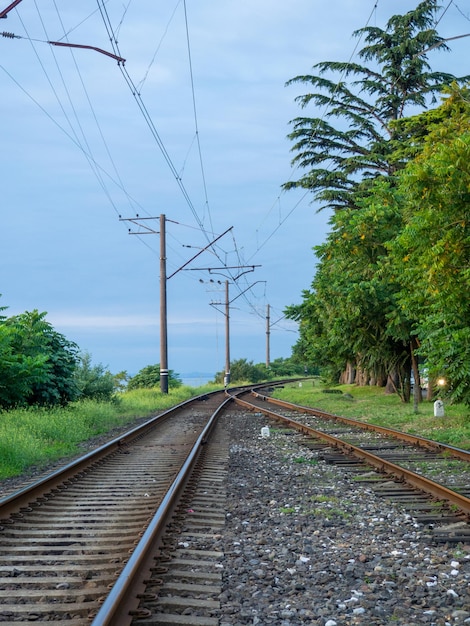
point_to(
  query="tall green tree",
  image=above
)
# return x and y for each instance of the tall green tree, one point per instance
(41, 360)
(353, 142)
(19, 373)
(432, 252)
(393, 279)
(349, 320)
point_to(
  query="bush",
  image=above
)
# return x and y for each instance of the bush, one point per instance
(149, 377)
(93, 382)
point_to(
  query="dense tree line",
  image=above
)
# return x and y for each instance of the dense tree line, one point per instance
(391, 288)
(242, 370)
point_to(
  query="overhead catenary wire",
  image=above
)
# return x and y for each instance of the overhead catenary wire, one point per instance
(95, 117)
(148, 119)
(178, 174)
(82, 142)
(145, 113)
(120, 60)
(294, 169)
(70, 135)
(86, 151)
(195, 113)
(323, 115)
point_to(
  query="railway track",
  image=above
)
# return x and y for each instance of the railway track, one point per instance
(133, 533)
(67, 540)
(431, 478)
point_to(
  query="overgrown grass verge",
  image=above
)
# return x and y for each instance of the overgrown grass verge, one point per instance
(372, 404)
(37, 436)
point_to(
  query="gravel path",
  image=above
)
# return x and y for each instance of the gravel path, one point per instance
(305, 544)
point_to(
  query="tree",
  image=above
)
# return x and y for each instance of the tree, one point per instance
(349, 322)
(432, 252)
(18, 372)
(351, 318)
(40, 361)
(149, 377)
(343, 156)
(242, 370)
(93, 381)
(120, 380)
(393, 279)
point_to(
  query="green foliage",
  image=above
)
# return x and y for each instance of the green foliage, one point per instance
(350, 313)
(374, 405)
(285, 368)
(344, 154)
(36, 436)
(18, 372)
(120, 380)
(93, 381)
(432, 252)
(242, 371)
(246, 371)
(149, 377)
(36, 362)
(392, 281)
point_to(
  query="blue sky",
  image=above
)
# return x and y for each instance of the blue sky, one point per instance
(79, 151)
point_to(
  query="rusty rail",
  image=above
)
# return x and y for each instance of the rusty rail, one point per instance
(380, 464)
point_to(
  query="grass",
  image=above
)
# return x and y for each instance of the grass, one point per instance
(302, 459)
(373, 405)
(36, 436)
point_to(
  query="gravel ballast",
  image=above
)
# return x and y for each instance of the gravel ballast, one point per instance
(305, 543)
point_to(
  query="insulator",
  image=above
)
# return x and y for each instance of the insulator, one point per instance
(9, 35)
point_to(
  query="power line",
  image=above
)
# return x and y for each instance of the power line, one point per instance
(314, 131)
(146, 115)
(195, 112)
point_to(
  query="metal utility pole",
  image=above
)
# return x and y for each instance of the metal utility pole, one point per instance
(147, 230)
(163, 311)
(227, 337)
(268, 332)
(227, 303)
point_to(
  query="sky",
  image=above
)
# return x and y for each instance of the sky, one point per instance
(193, 126)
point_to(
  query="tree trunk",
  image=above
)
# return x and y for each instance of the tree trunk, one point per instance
(430, 391)
(417, 384)
(391, 384)
(348, 376)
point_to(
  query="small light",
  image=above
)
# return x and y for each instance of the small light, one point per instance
(441, 382)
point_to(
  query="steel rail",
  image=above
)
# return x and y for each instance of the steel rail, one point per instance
(422, 442)
(385, 467)
(21, 498)
(122, 602)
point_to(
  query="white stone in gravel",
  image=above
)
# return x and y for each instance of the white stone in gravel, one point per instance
(359, 611)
